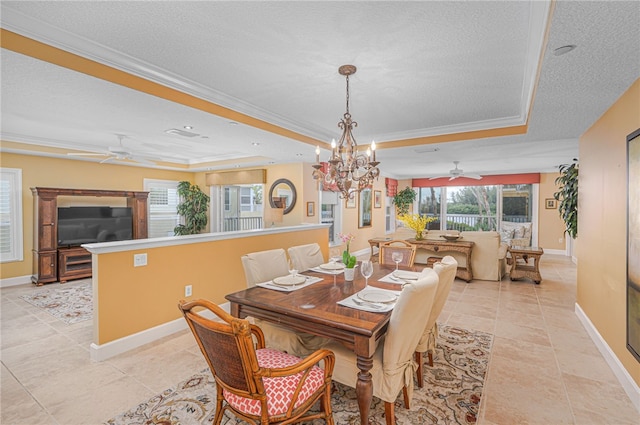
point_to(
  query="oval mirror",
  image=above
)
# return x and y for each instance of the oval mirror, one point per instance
(282, 195)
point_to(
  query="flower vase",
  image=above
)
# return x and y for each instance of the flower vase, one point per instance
(419, 235)
(349, 274)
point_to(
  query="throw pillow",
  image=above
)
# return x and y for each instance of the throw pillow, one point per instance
(518, 232)
(506, 235)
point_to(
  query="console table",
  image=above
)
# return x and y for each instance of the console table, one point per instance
(522, 268)
(438, 246)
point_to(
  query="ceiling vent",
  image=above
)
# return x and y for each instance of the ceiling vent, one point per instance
(182, 133)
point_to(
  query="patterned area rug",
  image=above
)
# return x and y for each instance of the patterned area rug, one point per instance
(451, 393)
(71, 302)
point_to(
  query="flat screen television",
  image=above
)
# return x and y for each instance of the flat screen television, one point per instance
(80, 225)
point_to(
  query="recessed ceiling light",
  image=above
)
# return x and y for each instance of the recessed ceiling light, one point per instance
(188, 127)
(233, 123)
(298, 154)
(564, 49)
(255, 144)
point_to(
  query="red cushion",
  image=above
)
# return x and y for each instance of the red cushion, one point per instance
(279, 390)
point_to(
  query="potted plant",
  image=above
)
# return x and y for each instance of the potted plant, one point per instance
(567, 197)
(403, 199)
(193, 207)
(417, 223)
(348, 259)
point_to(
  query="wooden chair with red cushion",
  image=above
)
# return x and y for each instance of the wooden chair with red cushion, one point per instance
(258, 384)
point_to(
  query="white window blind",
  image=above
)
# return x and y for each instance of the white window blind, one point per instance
(163, 203)
(10, 215)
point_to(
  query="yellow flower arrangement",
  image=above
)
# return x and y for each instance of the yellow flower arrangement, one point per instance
(417, 223)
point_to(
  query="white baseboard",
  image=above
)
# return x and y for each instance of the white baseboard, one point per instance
(627, 382)
(15, 281)
(105, 351)
(555, 251)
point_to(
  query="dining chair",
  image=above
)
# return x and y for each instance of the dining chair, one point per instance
(263, 266)
(305, 257)
(393, 366)
(388, 248)
(258, 384)
(446, 270)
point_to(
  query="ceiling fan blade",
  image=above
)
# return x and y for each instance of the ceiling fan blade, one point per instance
(473, 176)
(107, 159)
(439, 177)
(86, 154)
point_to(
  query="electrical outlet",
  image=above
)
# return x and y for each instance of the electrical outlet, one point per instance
(139, 260)
(187, 291)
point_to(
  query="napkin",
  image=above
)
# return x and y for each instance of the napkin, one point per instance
(367, 306)
(310, 280)
(390, 278)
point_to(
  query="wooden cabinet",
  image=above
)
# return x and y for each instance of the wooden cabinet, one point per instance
(73, 263)
(51, 264)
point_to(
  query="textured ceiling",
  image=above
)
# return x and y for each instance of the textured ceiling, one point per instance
(424, 69)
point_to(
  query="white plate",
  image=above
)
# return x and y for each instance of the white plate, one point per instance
(332, 266)
(289, 281)
(405, 275)
(374, 296)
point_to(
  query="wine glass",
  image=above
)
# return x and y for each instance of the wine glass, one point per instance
(397, 256)
(293, 272)
(366, 268)
(333, 260)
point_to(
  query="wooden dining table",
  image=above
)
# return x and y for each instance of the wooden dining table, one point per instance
(314, 309)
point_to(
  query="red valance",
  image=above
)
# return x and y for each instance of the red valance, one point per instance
(392, 186)
(529, 178)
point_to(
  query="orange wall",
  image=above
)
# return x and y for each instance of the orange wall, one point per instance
(551, 234)
(602, 223)
(132, 299)
(66, 173)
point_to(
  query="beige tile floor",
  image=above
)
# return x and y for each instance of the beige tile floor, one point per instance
(544, 369)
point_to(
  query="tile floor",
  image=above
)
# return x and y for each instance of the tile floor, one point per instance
(544, 369)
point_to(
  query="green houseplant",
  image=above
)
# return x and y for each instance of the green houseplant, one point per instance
(403, 199)
(567, 197)
(193, 207)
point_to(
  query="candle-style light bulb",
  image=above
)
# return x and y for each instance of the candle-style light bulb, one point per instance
(368, 152)
(318, 154)
(333, 147)
(373, 149)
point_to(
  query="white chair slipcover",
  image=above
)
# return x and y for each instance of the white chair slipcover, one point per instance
(307, 256)
(393, 365)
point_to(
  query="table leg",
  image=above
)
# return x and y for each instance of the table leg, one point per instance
(364, 388)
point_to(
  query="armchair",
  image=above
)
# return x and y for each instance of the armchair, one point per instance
(258, 384)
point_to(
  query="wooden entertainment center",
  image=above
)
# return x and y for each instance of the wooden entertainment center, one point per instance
(52, 263)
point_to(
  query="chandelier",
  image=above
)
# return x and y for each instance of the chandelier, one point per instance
(348, 171)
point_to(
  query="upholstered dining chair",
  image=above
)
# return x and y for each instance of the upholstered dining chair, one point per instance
(446, 270)
(393, 366)
(306, 256)
(258, 384)
(263, 266)
(388, 248)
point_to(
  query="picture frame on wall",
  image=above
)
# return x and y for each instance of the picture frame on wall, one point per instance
(633, 244)
(550, 203)
(311, 209)
(350, 202)
(365, 202)
(377, 199)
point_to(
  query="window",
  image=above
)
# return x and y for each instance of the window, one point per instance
(10, 215)
(389, 215)
(429, 203)
(331, 213)
(163, 204)
(242, 207)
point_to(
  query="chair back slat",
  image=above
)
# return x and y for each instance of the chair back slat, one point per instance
(223, 355)
(388, 248)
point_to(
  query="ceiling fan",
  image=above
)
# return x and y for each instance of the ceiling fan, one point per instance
(115, 153)
(458, 172)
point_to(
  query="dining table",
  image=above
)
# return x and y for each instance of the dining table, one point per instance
(315, 309)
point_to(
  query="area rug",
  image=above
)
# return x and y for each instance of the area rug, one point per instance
(71, 304)
(451, 392)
